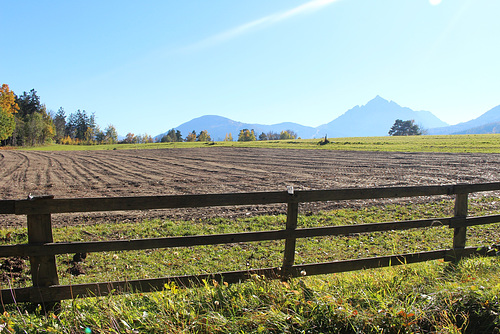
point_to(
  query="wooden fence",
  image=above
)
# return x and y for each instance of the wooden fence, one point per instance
(42, 250)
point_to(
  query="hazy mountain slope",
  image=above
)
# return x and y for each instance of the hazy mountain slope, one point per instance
(375, 119)
(218, 127)
(479, 124)
(487, 128)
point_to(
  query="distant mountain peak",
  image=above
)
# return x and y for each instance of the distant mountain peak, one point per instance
(379, 101)
(375, 118)
(378, 98)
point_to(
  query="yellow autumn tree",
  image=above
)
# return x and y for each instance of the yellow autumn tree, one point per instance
(247, 135)
(191, 137)
(8, 107)
(8, 100)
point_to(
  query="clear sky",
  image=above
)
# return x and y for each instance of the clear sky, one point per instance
(148, 66)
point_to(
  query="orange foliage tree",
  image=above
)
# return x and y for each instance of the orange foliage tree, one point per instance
(8, 100)
(8, 107)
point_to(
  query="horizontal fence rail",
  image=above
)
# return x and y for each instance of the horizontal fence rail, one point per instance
(42, 250)
(48, 205)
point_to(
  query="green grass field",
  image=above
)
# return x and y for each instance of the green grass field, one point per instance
(489, 143)
(436, 297)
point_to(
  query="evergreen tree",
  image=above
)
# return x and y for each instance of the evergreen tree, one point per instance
(60, 124)
(405, 128)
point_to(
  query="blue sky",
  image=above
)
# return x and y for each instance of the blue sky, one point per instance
(149, 66)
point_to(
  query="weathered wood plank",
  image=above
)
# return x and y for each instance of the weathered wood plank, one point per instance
(365, 263)
(43, 267)
(146, 202)
(392, 192)
(371, 193)
(191, 201)
(291, 240)
(477, 187)
(386, 261)
(460, 233)
(472, 221)
(7, 206)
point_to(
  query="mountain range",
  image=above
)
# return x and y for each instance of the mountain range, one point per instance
(375, 118)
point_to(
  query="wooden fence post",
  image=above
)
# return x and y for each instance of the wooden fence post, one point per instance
(290, 241)
(459, 233)
(43, 268)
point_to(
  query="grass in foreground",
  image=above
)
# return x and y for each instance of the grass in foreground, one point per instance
(488, 143)
(423, 298)
(427, 297)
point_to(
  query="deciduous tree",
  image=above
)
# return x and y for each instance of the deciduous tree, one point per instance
(191, 137)
(228, 137)
(288, 134)
(7, 124)
(146, 139)
(8, 107)
(273, 135)
(129, 138)
(100, 136)
(8, 100)
(203, 136)
(247, 135)
(110, 134)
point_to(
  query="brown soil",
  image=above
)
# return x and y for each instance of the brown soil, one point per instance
(221, 170)
(13, 269)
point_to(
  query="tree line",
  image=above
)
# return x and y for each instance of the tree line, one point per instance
(174, 135)
(25, 121)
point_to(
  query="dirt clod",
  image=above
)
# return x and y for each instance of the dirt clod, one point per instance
(76, 269)
(13, 269)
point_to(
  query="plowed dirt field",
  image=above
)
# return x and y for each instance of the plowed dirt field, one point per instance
(68, 174)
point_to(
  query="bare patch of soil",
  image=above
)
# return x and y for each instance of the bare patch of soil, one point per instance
(116, 173)
(13, 269)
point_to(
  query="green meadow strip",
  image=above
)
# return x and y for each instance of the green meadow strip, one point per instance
(484, 143)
